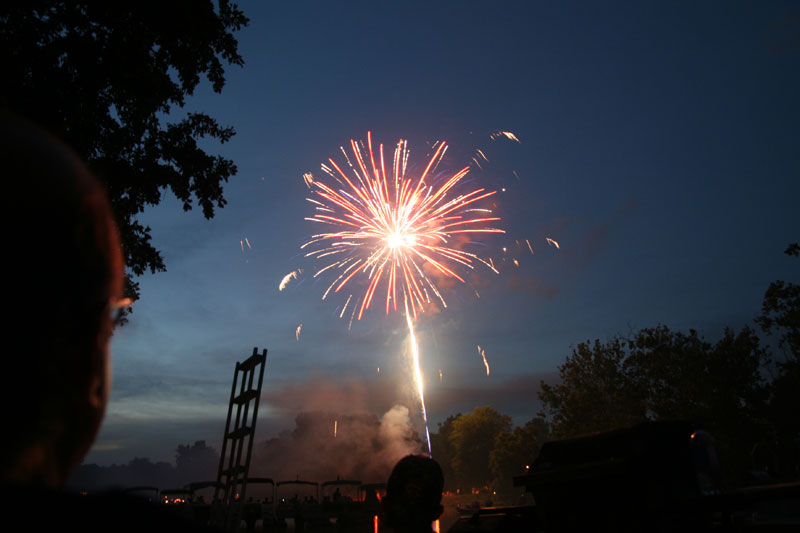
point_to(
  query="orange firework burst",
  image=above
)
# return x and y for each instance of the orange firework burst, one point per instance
(393, 228)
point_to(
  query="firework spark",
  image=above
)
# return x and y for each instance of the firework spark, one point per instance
(482, 353)
(506, 134)
(297, 332)
(398, 231)
(289, 277)
(551, 242)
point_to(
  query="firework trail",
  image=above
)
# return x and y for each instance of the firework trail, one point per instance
(482, 353)
(418, 377)
(396, 230)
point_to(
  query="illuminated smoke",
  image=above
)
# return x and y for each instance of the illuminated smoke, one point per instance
(364, 447)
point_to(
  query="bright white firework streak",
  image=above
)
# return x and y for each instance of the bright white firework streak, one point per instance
(418, 375)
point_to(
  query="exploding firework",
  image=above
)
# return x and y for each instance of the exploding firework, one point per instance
(398, 231)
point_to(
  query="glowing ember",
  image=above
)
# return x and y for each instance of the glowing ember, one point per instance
(244, 241)
(506, 134)
(551, 242)
(289, 277)
(482, 352)
(297, 332)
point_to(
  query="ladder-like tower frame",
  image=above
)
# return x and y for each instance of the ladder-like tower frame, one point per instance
(234, 460)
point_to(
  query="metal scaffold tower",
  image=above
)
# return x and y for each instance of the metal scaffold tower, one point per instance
(237, 441)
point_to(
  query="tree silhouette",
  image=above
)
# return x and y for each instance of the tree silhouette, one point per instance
(780, 315)
(514, 451)
(780, 311)
(104, 77)
(473, 438)
(443, 450)
(594, 393)
(198, 462)
(662, 374)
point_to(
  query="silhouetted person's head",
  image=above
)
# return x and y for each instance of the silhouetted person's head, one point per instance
(64, 278)
(413, 494)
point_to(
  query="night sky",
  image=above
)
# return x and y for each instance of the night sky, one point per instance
(659, 147)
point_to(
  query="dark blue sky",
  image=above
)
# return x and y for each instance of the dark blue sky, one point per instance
(659, 147)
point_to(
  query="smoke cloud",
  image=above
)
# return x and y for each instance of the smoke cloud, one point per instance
(325, 445)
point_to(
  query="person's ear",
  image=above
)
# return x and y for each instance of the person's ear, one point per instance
(97, 392)
(100, 382)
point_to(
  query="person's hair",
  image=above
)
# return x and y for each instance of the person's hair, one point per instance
(413, 493)
(64, 266)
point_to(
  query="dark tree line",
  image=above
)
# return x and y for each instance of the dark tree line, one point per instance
(106, 78)
(196, 462)
(743, 392)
